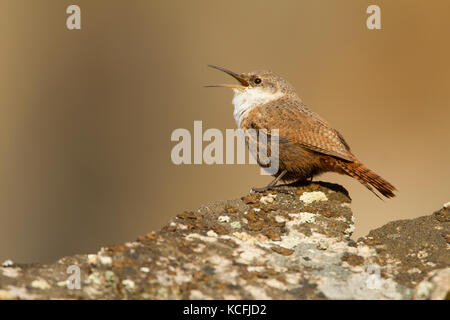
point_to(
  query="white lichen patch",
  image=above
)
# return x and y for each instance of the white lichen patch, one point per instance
(258, 293)
(128, 284)
(199, 248)
(164, 259)
(302, 217)
(256, 268)
(198, 295)
(191, 267)
(225, 237)
(92, 259)
(274, 283)
(11, 272)
(310, 197)
(320, 236)
(231, 297)
(292, 278)
(335, 245)
(280, 219)
(223, 269)
(181, 276)
(291, 240)
(366, 251)
(358, 286)
(322, 245)
(40, 284)
(235, 225)
(5, 295)
(267, 199)
(423, 290)
(193, 236)
(249, 239)
(414, 270)
(211, 233)
(110, 276)
(224, 219)
(219, 261)
(132, 245)
(349, 231)
(441, 284)
(94, 278)
(251, 255)
(106, 261)
(166, 279)
(446, 205)
(178, 226)
(355, 269)
(181, 226)
(144, 269)
(19, 293)
(422, 254)
(7, 263)
(92, 291)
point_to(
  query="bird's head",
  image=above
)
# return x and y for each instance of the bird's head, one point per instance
(261, 82)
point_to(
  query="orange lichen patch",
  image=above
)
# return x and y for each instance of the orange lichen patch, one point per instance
(230, 209)
(352, 259)
(220, 230)
(151, 235)
(117, 248)
(251, 198)
(189, 215)
(282, 251)
(273, 234)
(122, 262)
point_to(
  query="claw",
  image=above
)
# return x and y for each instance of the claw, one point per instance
(260, 190)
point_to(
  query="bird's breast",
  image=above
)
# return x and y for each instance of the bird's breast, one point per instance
(245, 100)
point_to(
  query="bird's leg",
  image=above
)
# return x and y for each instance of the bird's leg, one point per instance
(271, 184)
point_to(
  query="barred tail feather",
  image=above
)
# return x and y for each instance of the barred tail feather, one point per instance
(368, 178)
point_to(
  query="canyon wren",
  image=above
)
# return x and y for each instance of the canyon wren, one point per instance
(308, 145)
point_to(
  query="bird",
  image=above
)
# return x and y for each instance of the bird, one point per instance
(308, 144)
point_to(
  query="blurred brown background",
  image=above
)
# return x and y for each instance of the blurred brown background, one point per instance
(86, 116)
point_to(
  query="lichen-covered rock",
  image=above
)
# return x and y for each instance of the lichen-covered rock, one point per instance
(288, 243)
(409, 250)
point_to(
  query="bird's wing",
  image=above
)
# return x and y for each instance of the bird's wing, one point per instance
(298, 126)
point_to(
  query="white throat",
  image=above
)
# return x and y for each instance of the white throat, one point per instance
(246, 100)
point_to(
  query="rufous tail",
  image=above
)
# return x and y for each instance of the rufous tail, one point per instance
(368, 178)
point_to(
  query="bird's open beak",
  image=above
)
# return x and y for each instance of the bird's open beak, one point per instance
(243, 83)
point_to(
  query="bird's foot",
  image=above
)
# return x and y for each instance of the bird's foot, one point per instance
(276, 189)
(271, 185)
(260, 190)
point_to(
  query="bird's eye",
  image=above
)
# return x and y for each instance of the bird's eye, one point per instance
(258, 80)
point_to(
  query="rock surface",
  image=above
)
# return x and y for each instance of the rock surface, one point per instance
(289, 243)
